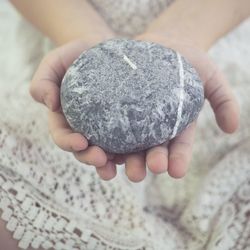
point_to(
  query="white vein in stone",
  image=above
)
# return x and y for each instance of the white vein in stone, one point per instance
(180, 107)
(132, 65)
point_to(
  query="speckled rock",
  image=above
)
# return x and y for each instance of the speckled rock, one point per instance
(126, 95)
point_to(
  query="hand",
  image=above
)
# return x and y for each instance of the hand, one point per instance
(45, 88)
(176, 156)
(173, 158)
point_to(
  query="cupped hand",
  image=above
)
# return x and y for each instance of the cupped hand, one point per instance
(173, 157)
(45, 88)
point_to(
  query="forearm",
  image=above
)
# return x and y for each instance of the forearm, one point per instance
(64, 20)
(200, 21)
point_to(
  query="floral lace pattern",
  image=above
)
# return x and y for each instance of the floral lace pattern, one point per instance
(50, 200)
(127, 17)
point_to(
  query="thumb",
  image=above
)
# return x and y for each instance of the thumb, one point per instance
(222, 101)
(217, 89)
(45, 85)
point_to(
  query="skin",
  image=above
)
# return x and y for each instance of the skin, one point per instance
(186, 26)
(172, 158)
(178, 27)
(6, 240)
(181, 22)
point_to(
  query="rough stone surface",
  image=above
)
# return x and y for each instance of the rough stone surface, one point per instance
(127, 96)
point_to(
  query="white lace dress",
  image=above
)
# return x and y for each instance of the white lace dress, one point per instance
(50, 200)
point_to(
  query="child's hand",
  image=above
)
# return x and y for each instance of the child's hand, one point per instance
(175, 157)
(45, 88)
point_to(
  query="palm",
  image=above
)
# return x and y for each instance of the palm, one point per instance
(173, 157)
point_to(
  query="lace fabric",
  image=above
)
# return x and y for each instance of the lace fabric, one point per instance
(52, 201)
(127, 17)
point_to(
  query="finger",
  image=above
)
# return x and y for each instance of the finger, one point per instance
(45, 85)
(217, 89)
(62, 134)
(180, 152)
(70, 51)
(157, 159)
(135, 167)
(46, 82)
(93, 155)
(223, 102)
(107, 172)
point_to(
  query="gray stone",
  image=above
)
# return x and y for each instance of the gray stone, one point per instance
(127, 96)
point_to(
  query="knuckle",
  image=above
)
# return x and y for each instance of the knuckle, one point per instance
(213, 92)
(157, 150)
(222, 102)
(184, 144)
(163, 152)
(179, 155)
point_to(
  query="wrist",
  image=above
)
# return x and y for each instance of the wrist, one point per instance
(178, 43)
(167, 38)
(200, 23)
(179, 33)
